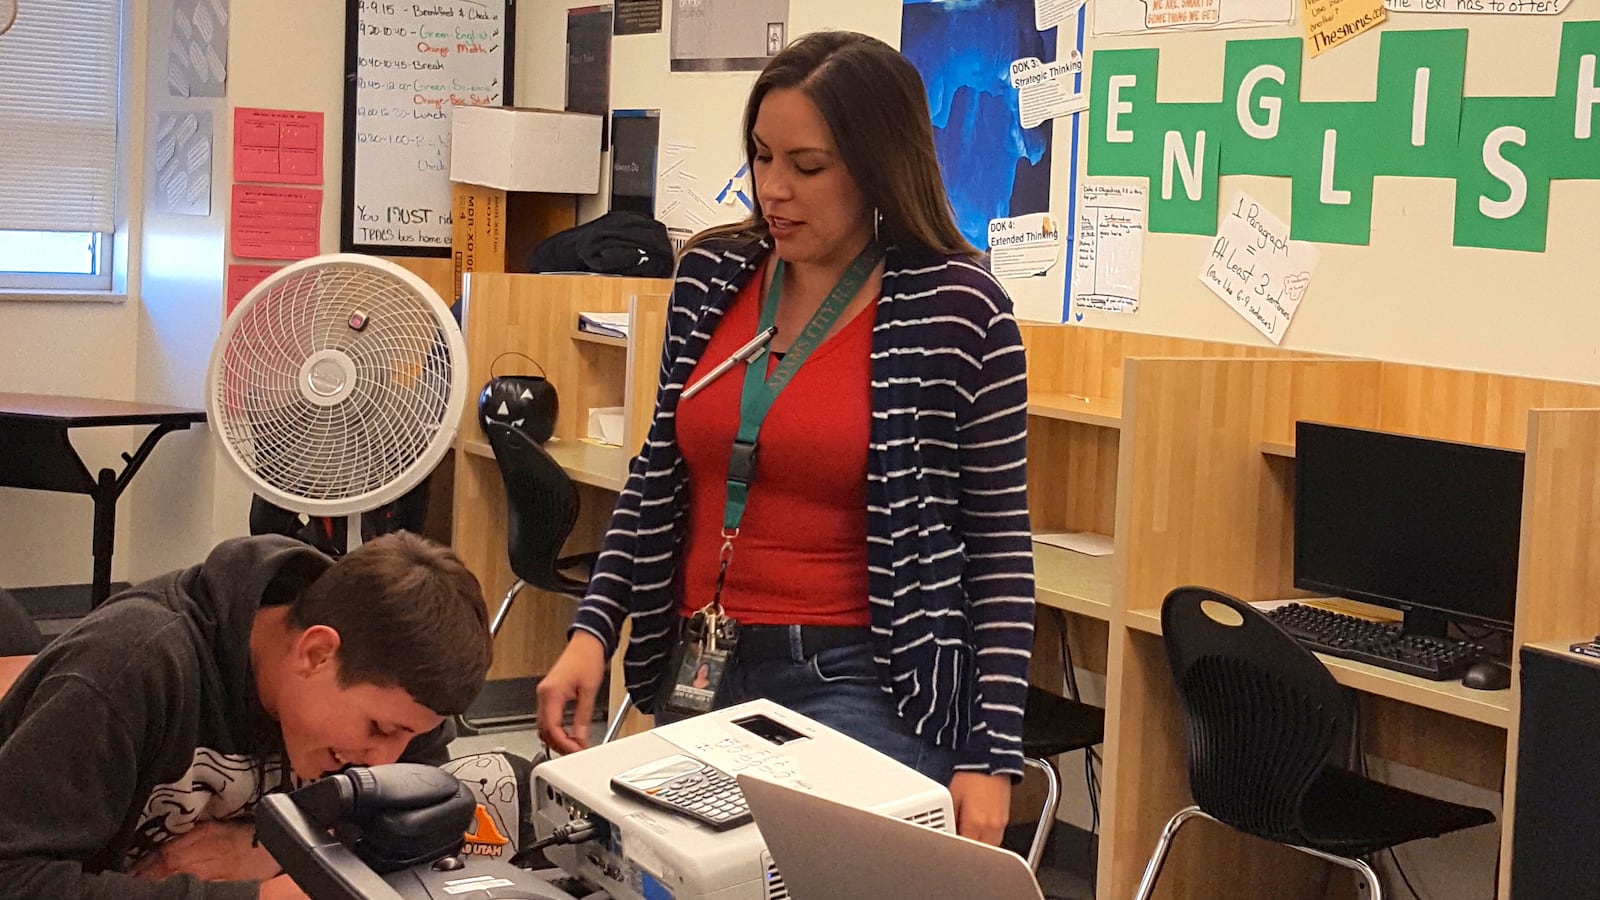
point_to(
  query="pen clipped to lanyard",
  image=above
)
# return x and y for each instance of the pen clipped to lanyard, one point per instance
(743, 354)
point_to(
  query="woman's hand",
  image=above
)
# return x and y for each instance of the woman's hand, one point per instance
(281, 888)
(211, 851)
(575, 677)
(983, 805)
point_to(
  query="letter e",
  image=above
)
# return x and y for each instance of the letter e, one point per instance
(1115, 134)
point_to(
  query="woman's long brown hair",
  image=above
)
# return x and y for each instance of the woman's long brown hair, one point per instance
(873, 101)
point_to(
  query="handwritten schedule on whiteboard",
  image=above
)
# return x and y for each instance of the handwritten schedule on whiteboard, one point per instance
(407, 64)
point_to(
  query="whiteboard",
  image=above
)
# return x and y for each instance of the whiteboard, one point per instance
(407, 64)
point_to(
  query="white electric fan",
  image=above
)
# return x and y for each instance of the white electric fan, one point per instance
(337, 384)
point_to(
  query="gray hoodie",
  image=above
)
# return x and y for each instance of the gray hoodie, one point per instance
(141, 722)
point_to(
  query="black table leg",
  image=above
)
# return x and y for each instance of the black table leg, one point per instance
(105, 532)
(108, 488)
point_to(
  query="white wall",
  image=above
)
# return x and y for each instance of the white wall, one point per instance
(169, 503)
(1410, 296)
(61, 348)
(74, 348)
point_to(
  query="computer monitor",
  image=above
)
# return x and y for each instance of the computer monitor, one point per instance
(1429, 527)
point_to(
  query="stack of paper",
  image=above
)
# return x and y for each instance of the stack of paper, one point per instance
(605, 425)
(1086, 542)
(609, 324)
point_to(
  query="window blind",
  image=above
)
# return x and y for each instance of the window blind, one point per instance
(58, 116)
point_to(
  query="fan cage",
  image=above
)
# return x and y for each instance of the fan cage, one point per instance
(401, 411)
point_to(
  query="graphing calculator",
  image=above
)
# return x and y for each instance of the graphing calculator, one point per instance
(689, 787)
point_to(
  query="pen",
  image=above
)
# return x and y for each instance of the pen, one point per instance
(743, 354)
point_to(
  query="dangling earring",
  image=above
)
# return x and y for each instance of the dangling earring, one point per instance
(876, 218)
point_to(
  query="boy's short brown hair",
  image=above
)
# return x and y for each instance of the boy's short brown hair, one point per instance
(409, 614)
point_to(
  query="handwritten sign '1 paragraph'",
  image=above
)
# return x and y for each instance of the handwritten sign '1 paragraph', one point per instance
(408, 66)
(1256, 268)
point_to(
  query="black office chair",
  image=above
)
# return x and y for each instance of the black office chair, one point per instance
(1262, 718)
(19, 636)
(1053, 725)
(541, 510)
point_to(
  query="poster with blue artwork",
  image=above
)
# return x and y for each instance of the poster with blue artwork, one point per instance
(993, 167)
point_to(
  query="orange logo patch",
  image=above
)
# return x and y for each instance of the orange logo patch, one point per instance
(484, 837)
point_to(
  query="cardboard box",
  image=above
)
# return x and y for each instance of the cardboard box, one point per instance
(492, 230)
(521, 149)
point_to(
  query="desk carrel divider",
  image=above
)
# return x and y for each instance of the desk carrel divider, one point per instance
(1180, 451)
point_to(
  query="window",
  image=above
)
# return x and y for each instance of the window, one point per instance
(59, 68)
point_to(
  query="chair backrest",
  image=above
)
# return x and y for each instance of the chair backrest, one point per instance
(1261, 714)
(19, 636)
(541, 506)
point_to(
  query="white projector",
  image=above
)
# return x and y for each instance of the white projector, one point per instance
(645, 851)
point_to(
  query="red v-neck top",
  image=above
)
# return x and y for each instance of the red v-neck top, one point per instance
(801, 554)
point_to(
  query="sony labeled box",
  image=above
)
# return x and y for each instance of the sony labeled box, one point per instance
(517, 173)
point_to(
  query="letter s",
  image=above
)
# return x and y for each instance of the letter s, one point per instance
(1509, 173)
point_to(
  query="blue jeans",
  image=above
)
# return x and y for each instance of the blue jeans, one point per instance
(839, 688)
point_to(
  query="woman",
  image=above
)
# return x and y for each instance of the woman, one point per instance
(880, 562)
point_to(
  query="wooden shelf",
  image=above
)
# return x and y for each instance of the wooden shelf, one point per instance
(1449, 697)
(1100, 411)
(1278, 448)
(1072, 581)
(592, 464)
(605, 340)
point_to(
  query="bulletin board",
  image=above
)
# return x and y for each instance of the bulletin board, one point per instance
(1421, 253)
(1421, 191)
(407, 65)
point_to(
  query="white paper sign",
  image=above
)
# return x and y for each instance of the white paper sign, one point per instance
(1256, 268)
(1047, 14)
(1488, 7)
(1024, 246)
(1141, 16)
(1108, 252)
(685, 202)
(1045, 90)
(183, 163)
(197, 64)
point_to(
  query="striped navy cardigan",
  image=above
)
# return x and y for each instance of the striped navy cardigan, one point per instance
(950, 554)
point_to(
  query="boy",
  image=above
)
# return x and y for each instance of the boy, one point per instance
(134, 748)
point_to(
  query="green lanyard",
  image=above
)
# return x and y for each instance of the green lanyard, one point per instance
(760, 391)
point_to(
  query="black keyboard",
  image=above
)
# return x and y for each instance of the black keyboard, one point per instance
(1376, 643)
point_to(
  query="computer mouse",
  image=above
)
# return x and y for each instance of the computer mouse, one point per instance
(1488, 675)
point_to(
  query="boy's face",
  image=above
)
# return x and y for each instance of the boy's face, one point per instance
(326, 726)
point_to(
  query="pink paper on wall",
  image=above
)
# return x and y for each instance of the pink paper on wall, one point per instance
(280, 145)
(276, 222)
(241, 278)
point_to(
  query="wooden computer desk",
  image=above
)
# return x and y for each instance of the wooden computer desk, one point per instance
(1206, 496)
(36, 454)
(1183, 451)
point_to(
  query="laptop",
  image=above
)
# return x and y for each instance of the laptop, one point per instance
(826, 850)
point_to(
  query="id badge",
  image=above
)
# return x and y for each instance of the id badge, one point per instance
(698, 667)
